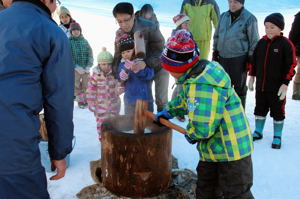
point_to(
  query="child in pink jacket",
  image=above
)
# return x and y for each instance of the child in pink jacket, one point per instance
(103, 90)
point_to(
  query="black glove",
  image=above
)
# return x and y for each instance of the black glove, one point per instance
(215, 56)
(190, 140)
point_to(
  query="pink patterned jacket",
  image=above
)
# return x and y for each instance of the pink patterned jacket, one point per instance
(103, 93)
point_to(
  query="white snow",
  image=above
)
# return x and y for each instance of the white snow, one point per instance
(276, 172)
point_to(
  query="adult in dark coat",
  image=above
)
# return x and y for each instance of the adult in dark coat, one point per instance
(36, 72)
(154, 43)
(294, 36)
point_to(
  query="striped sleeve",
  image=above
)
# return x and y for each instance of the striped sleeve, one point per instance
(290, 61)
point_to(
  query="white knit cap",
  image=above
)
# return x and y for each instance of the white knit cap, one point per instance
(180, 18)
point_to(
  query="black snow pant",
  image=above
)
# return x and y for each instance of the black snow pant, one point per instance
(29, 185)
(225, 180)
(269, 101)
(236, 69)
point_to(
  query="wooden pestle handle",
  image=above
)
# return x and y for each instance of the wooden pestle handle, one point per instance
(166, 122)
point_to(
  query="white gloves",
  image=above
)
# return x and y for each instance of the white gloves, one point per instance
(282, 91)
(251, 83)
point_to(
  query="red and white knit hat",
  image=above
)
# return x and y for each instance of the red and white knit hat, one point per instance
(180, 18)
(179, 53)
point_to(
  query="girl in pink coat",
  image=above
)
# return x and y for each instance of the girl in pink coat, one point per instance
(103, 90)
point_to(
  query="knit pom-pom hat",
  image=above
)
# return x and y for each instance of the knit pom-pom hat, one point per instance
(180, 18)
(104, 57)
(179, 53)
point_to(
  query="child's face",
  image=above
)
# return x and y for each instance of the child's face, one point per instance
(76, 33)
(105, 67)
(127, 54)
(65, 19)
(185, 25)
(272, 30)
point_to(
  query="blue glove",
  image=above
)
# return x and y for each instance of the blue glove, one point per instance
(190, 140)
(164, 113)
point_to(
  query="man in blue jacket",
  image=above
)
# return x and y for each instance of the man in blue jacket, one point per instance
(36, 72)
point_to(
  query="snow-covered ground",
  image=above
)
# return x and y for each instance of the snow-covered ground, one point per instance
(276, 172)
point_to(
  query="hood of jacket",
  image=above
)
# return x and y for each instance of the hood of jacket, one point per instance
(210, 73)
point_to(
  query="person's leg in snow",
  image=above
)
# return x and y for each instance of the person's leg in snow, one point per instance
(278, 114)
(207, 182)
(278, 126)
(99, 119)
(261, 110)
(225, 180)
(236, 178)
(259, 127)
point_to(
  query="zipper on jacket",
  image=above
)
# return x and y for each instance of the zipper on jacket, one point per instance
(265, 66)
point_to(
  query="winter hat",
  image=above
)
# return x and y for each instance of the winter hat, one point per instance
(63, 10)
(276, 19)
(104, 57)
(179, 53)
(126, 42)
(180, 18)
(241, 1)
(75, 26)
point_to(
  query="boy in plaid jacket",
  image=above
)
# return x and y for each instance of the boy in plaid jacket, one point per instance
(217, 122)
(82, 56)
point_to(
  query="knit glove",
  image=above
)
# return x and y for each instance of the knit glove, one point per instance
(190, 140)
(251, 83)
(123, 75)
(80, 70)
(282, 91)
(164, 113)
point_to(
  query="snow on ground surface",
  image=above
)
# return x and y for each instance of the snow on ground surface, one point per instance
(276, 172)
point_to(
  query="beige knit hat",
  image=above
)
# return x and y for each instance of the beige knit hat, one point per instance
(104, 57)
(63, 10)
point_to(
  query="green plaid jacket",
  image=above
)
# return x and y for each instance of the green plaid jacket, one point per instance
(216, 117)
(82, 53)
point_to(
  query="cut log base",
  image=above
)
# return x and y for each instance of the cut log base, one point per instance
(183, 187)
(135, 165)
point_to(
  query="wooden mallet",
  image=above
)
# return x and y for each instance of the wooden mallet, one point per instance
(140, 118)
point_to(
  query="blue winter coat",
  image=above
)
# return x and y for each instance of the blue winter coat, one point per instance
(138, 85)
(36, 72)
